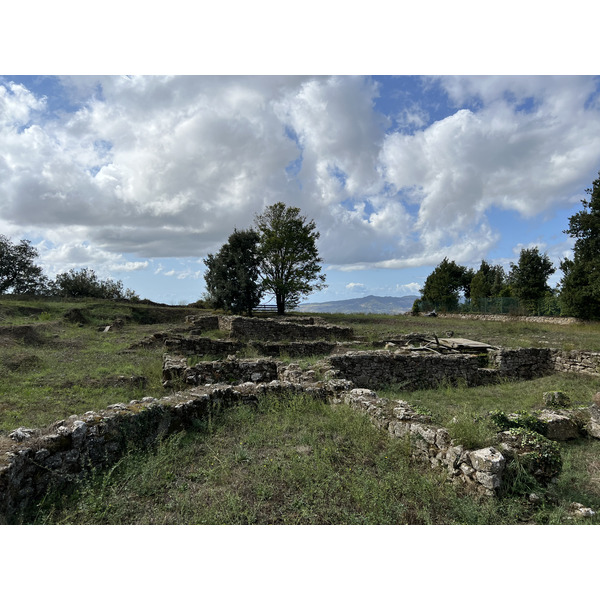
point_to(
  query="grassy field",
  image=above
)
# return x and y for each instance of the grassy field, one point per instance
(511, 334)
(55, 361)
(295, 461)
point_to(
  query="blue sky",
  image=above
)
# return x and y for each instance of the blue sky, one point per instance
(140, 177)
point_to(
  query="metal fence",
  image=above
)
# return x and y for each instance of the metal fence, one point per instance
(546, 307)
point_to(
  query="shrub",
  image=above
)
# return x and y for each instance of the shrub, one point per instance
(520, 419)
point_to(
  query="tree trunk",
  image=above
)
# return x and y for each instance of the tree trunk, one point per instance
(280, 304)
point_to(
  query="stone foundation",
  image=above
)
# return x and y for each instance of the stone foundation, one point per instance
(412, 371)
(35, 460)
(32, 461)
(245, 328)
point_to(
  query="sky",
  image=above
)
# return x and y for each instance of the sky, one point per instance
(139, 177)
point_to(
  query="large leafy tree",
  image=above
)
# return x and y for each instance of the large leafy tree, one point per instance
(232, 274)
(445, 284)
(289, 260)
(529, 277)
(488, 282)
(580, 291)
(18, 273)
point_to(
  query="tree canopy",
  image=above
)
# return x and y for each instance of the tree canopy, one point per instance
(488, 281)
(580, 284)
(444, 285)
(529, 277)
(18, 273)
(289, 260)
(232, 274)
(85, 283)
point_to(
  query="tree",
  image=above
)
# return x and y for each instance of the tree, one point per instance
(18, 273)
(444, 285)
(580, 284)
(529, 278)
(232, 275)
(488, 282)
(289, 260)
(84, 283)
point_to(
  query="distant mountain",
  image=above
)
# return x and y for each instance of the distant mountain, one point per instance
(387, 305)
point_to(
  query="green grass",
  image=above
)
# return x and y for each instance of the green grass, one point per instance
(59, 368)
(464, 410)
(297, 461)
(290, 462)
(511, 334)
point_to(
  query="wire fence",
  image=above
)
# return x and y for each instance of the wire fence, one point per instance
(544, 307)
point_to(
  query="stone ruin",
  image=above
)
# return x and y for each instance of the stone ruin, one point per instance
(32, 461)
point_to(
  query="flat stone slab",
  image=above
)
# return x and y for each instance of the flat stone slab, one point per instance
(463, 344)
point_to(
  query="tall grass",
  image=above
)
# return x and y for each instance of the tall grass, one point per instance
(292, 461)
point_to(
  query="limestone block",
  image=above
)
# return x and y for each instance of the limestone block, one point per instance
(560, 427)
(579, 510)
(442, 438)
(593, 425)
(489, 481)
(398, 428)
(467, 470)
(488, 460)
(427, 433)
(22, 433)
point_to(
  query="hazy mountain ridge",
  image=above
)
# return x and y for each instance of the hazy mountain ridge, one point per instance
(391, 305)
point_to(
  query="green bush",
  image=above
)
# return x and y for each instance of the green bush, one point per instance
(520, 419)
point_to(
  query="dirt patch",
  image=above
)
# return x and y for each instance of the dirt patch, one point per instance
(75, 315)
(21, 362)
(29, 334)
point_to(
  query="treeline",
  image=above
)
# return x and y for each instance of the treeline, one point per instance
(524, 288)
(491, 288)
(21, 276)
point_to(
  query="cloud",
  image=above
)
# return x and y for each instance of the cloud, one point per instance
(75, 255)
(409, 289)
(525, 148)
(156, 167)
(356, 287)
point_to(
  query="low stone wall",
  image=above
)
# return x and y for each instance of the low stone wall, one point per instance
(521, 363)
(412, 371)
(232, 371)
(32, 461)
(245, 328)
(505, 318)
(203, 322)
(480, 470)
(202, 346)
(576, 361)
(528, 363)
(294, 349)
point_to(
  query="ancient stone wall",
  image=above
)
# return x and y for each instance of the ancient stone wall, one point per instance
(528, 363)
(245, 328)
(521, 363)
(202, 346)
(576, 361)
(506, 318)
(203, 323)
(412, 371)
(34, 460)
(480, 469)
(232, 371)
(294, 349)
